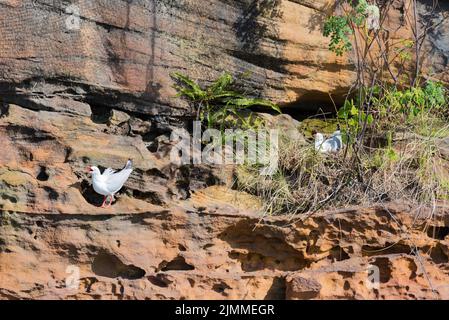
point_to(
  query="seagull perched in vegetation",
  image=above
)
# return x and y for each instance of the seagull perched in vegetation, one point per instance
(110, 182)
(333, 144)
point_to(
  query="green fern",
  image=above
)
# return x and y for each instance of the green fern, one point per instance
(219, 105)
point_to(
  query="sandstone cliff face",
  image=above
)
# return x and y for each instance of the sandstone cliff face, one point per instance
(102, 94)
(125, 51)
(223, 253)
(180, 232)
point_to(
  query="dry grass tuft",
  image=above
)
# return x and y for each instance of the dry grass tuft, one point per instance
(409, 166)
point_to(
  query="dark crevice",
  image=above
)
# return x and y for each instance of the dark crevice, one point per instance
(153, 146)
(52, 193)
(221, 288)
(26, 101)
(100, 114)
(385, 268)
(179, 263)
(148, 196)
(262, 61)
(183, 189)
(438, 233)
(159, 280)
(18, 132)
(4, 109)
(155, 140)
(9, 198)
(277, 290)
(438, 255)
(156, 173)
(108, 265)
(68, 154)
(338, 254)
(389, 248)
(43, 175)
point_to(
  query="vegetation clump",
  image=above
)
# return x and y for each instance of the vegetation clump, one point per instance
(393, 122)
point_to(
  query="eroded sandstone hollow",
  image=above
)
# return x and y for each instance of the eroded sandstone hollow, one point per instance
(102, 94)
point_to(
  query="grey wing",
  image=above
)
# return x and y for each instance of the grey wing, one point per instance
(116, 181)
(108, 172)
(333, 144)
(338, 142)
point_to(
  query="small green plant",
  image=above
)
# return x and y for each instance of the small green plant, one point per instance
(435, 95)
(353, 118)
(390, 152)
(412, 101)
(219, 105)
(338, 30)
(393, 108)
(341, 28)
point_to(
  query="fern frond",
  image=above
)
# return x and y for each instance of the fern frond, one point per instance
(195, 90)
(220, 84)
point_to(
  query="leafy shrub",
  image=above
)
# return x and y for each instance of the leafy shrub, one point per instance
(392, 128)
(338, 30)
(353, 117)
(341, 28)
(392, 108)
(435, 95)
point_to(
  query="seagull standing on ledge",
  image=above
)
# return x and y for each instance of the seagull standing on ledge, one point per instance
(110, 182)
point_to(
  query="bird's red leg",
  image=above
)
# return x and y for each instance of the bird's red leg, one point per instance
(110, 201)
(104, 200)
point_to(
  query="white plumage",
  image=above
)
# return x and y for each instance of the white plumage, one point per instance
(110, 182)
(333, 144)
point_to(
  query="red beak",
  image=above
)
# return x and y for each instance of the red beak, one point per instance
(89, 169)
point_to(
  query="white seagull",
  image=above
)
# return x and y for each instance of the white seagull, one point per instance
(110, 182)
(333, 144)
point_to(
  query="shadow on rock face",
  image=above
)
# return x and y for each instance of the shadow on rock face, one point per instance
(90, 195)
(4, 109)
(100, 114)
(277, 290)
(249, 29)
